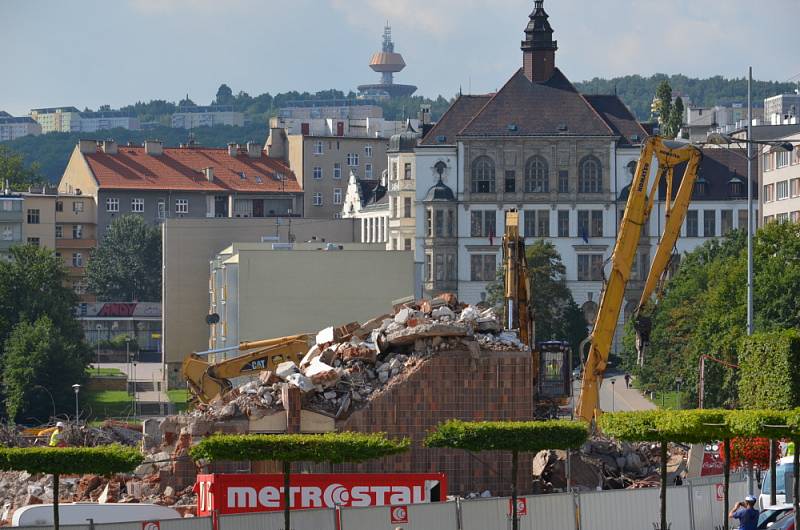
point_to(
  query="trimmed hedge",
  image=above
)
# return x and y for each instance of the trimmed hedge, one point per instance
(768, 374)
(631, 426)
(524, 436)
(331, 447)
(102, 460)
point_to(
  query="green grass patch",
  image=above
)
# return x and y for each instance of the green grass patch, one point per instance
(105, 372)
(669, 399)
(180, 398)
(109, 404)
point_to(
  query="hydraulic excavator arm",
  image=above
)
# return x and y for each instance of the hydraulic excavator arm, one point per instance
(667, 154)
(517, 313)
(208, 380)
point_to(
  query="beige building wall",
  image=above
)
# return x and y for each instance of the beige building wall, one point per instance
(279, 292)
(402, 201)
(780, 183)
(39, 227)
(325, 152)
(77, 175)
(189, 245)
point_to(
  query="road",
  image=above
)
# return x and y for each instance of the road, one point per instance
(615, 397)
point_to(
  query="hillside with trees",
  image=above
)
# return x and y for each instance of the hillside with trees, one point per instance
(51, 151)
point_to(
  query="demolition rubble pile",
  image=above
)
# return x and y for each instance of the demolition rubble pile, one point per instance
(349, 365)
(606, 464)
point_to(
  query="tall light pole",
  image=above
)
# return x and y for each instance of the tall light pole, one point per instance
(750, 213)
(99, 328)
(612, 395)
(77, 388)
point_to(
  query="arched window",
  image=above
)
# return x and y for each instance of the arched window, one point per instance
(537, 175)
(590, 175)
(483, 175)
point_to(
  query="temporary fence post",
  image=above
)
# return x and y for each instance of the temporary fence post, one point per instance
(690, 493)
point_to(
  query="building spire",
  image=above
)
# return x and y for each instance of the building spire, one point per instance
(538, 48)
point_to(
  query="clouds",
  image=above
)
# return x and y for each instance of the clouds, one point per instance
(174, 7)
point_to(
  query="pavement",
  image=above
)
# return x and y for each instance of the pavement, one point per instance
(143, 372)
(615, 397)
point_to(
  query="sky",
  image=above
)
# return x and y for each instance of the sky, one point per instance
(87, 53)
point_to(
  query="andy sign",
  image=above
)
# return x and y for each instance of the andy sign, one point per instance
(228, 493)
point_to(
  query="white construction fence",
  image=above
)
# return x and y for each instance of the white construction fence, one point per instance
(689, 507)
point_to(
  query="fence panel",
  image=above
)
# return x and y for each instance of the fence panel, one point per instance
(301, 520)
(633, 509)
(433, 516)
(539, 512)
(708, 505)
(188, 523)
(483, 514)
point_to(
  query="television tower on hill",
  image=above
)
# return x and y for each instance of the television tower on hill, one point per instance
(387, 62)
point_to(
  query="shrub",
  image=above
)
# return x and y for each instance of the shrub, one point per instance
(768, 364)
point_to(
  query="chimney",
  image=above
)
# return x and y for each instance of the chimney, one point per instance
(253, 149)
(109, 147)
(87, 147)
(538, 48)
(209, 173)
(232, 149)
(277, 144)
(153, 147)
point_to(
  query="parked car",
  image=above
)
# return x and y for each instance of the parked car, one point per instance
(770, 515)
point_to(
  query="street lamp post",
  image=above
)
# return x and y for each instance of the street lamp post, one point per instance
(99, 328)
(612, 395)
(77, 388)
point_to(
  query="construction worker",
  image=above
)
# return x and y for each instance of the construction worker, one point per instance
(57, 436)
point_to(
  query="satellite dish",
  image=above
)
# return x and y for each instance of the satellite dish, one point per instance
(212, 319)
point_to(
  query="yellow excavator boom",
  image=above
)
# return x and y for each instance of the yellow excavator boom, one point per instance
(208, 380)
(517, 294)
(667, 154)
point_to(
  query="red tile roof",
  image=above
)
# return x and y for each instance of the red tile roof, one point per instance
(182, 169)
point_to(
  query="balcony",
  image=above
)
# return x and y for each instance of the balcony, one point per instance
(402, 185)
(403, 222)
(11, 216)
(75, 243)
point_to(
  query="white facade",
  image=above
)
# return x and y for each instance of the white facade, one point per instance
(193, 117)
(369, 127)
(100, 121)
(373, 217)
(780, 183)
(11, 128)
(58, 119)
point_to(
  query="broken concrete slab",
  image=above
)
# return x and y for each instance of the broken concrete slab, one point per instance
(300, 381)
(325, 336)
(435, 329)
(312, 354)
(285, 369)
(322, 374)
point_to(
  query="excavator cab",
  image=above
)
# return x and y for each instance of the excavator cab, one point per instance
(554, 369)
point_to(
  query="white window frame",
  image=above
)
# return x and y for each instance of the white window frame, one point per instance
(137, 205)
(319, 147)
(316, 198)
(352, 159)
(367, 171)
(337, 195)
(337, 170)
(77, 259)
(181, 206)
(781, 190)
(161, 210)
(112, 204)
(368, 151)
(77, 231)
(59, 231)
(317, 173)
(77, 206)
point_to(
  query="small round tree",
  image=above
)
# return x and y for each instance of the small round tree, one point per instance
(102, 460)
(514, 436)
(334, 447)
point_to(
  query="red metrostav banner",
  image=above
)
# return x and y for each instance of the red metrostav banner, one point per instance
(234, 493)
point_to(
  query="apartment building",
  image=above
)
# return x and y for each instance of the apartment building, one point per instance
(39, 217)
(11, 220)
(323, 165)
(402, 170)
(108, 119)
(191, 117)
(75, 234)
(57, 119)
(12, 127)
(367, 202)
(158, 182)
(780, 182)
(782, 109)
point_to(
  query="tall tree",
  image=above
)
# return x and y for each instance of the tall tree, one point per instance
(224, 95)
(126, 266)
(15, 172)
(662, 108)
(676, 117)
(555, 312)
(37, 356)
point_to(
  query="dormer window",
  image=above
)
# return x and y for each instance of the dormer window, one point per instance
(736, 187)
(700, 187)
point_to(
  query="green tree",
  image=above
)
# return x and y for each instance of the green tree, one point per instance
(38, 356)
(676, 117)
(555, 312)
(704, 310)
(333, 447)
(663, 109)
(104, 460)
(224, 95)
(126, 265)
(15, 172)
(514, 436)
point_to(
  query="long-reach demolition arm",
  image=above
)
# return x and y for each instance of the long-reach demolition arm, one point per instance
(517, 312)
(208, 380)
(667, 154)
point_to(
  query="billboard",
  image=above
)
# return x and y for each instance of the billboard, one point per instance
(247, 493)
